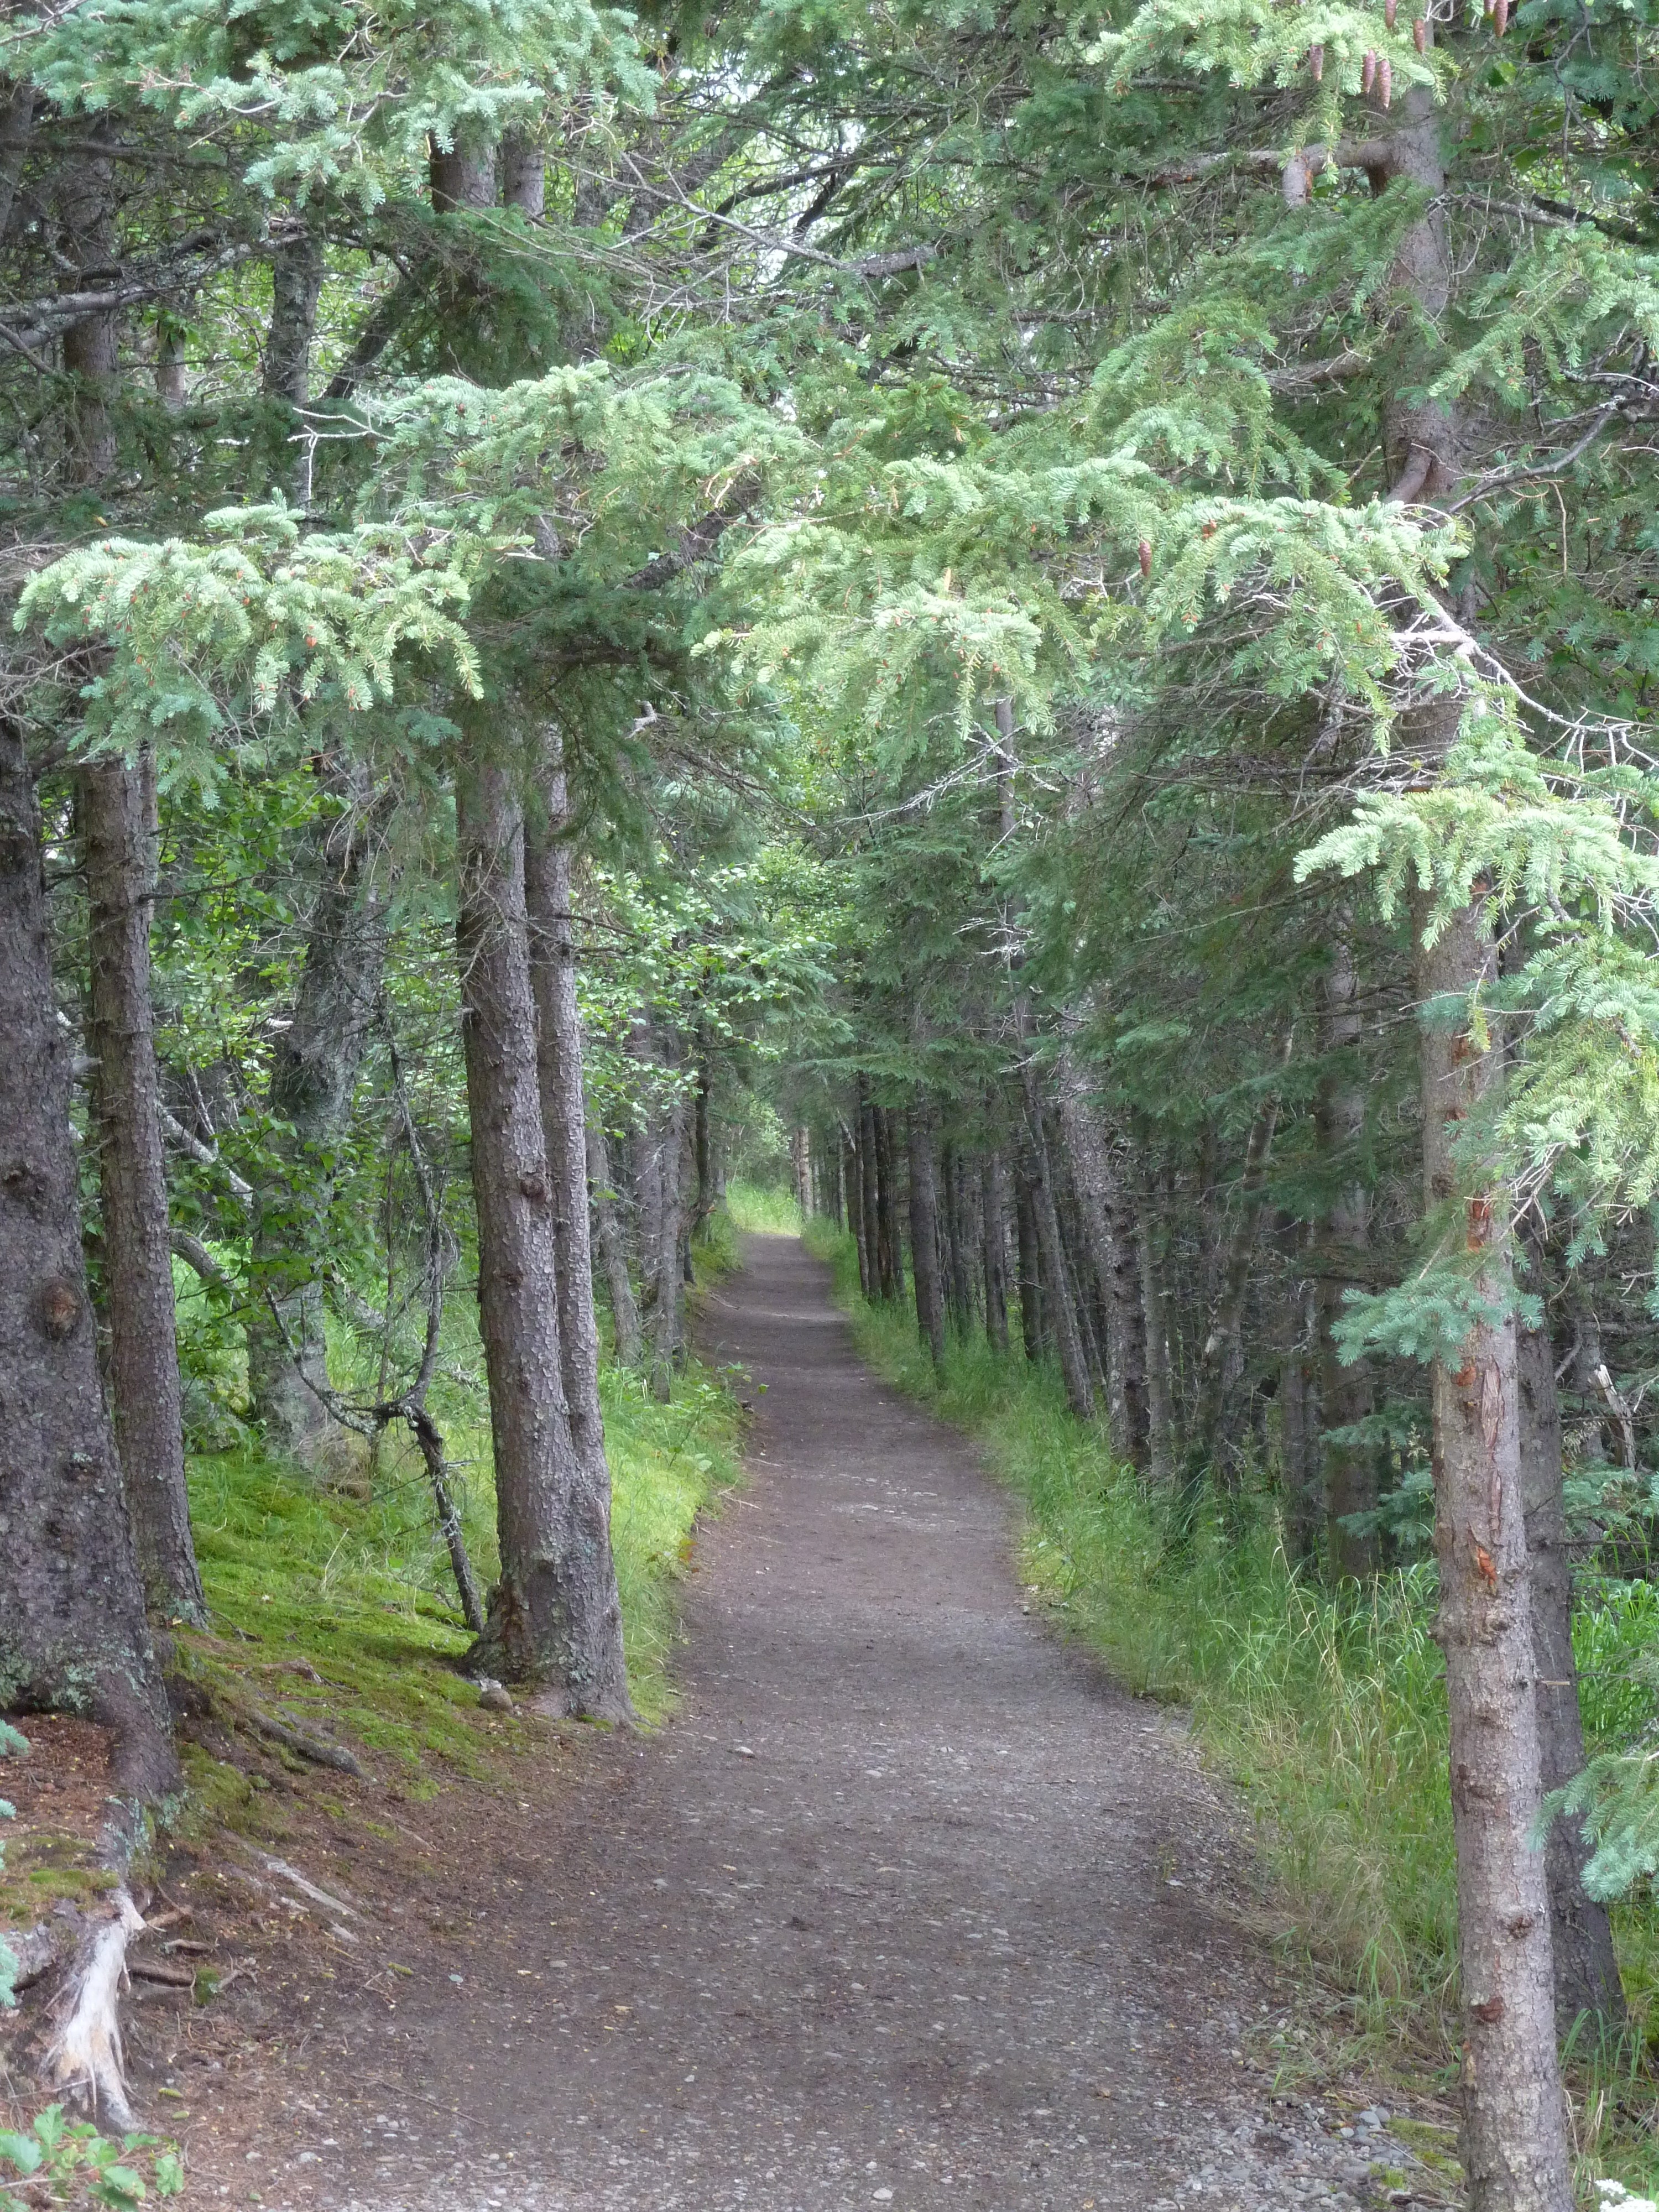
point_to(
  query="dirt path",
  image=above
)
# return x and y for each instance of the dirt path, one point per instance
(909, 1907)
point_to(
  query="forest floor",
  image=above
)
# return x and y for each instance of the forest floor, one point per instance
(907, 1904)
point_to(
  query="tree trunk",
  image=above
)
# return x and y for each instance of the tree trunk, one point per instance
(554, 1616)
(92, 356)
(659, 1230)
(924, 1233)
(852, 1175)
(1030, 1266)
(889, 1245)
(547, 860)
(1514, 2133)
(524, 175)
(869, 1181)
(613, 1251)
(1586, 1971)
(1056, 1290)
(296, 285)
(1105, 1220)
(116, 807)
(702, 1139)
(73, 1635)
(992, 1221)
(313, 1081)
(1299, 1425)
(1345, 1391)
(1211, 1451)
(1160, 1411)
(463, 179)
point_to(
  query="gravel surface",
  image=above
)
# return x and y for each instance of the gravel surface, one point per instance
(909, 1907)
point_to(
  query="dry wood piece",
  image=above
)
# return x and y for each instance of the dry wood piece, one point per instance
(162, 1970)
(305, 1747)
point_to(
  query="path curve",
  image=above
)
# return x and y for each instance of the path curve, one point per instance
(909, 1907)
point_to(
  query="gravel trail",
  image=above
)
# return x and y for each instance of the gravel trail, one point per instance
(908, 1907)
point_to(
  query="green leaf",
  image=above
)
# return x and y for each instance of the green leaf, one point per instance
(22, 2151)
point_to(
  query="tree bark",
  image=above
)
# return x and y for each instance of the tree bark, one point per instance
(1345, 1390)
(993, 1233)
(555, 1620)
(86, 208)
(116, 807)
(463, 179)
(869, 1205)
(613, 1251)
(924, 1233)
(660, 1155)
(1514, 2132)
(547, 872)
(703, 1152)
(313, 1081)
(524, 175)
(1057, 1296)
(1160, 1411)
(1210, 1452)
(1586, 1971)
(1029, 1264)
(73, 1634)
(296, 285)
(1107, 1228)
(1299, 1420)
(889, 1247)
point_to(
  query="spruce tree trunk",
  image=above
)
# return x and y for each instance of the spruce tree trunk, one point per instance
(924, 1234)
(116, 807)
(856, 1205)
(524, 175)
(1104, 1222)
(296, 285)
(1212, 1451)
(1059, 1311)
(73, 1634)
(92, 355)
(660, 1156)
(1345, 1390)
(888, 1242)
(547, 875)
(702, 1153)
(994, 1231)
(555, 1620)
(1514, 2133)
(313, 1081)
(1160, 1411)
(1299, 1413)
(1030, 1266)
(613, 1251)
(868, 1182)
(1586, 1971)
(462, 180)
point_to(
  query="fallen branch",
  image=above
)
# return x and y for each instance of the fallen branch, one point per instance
(206, 1156)
(306, 1747)
(1618, 1405)
(159, 1970)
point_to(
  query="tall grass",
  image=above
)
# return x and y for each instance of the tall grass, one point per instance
(1327, 1710)
(768, 1207)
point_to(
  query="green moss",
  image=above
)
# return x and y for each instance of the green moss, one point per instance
(355, 1586)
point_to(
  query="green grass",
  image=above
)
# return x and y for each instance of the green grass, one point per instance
(769, 1207)
(1326, 1711)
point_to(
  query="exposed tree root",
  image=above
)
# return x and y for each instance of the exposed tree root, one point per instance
(84, 2056)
